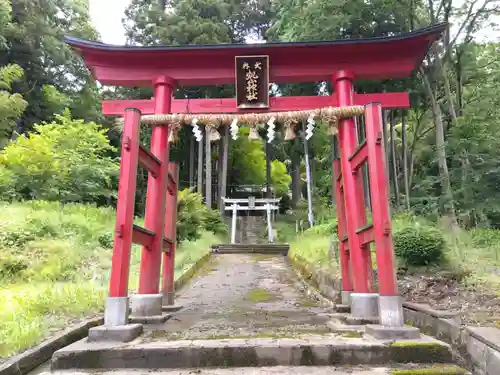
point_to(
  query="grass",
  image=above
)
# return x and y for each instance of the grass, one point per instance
(474, 253)
(54, 267)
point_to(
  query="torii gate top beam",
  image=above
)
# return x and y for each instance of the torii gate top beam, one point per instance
(367, 59)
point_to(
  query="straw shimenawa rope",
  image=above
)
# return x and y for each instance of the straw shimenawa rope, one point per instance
(330, 115)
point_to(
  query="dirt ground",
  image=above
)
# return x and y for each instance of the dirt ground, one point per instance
(445, 292)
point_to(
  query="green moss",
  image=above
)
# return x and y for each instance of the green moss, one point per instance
(352, 334)
(260, 295)
(420, 352)
(420, 344)
(441, 370)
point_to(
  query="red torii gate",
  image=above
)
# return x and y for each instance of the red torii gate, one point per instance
(166, 67)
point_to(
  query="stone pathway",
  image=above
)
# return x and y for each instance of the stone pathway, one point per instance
(240, 296)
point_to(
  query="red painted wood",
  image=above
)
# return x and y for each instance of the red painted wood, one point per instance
(149, 161)
(353, 200)
(344, 256)
(145, 237)
(120, 264)
(142, 236)
(366, 235)
(149, 276)
(359, 157)
(171, 231)
(381, 58)
(171, 184)
(391, 100)
(380, 202)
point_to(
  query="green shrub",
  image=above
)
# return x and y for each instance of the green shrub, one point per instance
(419, 244)
(11, 266)
(193, 217)
(65, 160)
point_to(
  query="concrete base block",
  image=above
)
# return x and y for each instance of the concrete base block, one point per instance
(355, 321)
(146, 305)
(364, 305)
(168, 298)
(123, 333)
(346, 297)
(116, 311)
(387, 333)
(343, 308)
(153, 319)
(172, 308)
(391, 311)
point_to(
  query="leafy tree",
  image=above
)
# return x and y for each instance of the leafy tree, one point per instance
(65, 160)
(54, 76)
(12, 106)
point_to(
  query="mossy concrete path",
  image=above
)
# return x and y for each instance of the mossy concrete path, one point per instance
(244, 311)
(239, 295)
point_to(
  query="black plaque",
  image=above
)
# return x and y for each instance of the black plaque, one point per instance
(252, 81)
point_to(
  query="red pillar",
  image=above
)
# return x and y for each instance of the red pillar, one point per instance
(149, 277)
(118, 283)
(170, 232)
(345, 268)
(380, 201)
(353, 190)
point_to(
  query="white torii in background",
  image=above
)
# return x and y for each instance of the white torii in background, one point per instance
(252, 204)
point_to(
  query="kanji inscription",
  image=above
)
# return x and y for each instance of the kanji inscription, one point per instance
(252, 81)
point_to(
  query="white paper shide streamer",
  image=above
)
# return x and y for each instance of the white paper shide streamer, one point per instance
(270, 129)
(310, 127)
(234, 129)
(196, 130)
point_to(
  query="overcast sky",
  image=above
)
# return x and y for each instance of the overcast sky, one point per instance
(107, 18)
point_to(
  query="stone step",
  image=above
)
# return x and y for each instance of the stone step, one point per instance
(311, 351)
(281, 249)
(446, 369)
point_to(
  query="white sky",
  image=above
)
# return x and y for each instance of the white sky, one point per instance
(107, 18)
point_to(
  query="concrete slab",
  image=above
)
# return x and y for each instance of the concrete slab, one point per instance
(313, 351)
(275, 370)
(383, 332)
(154, 319)
(171, 308)
(124, 333)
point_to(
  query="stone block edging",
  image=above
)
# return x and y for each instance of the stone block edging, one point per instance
(36, 356)
(190, 272)
(477, 348)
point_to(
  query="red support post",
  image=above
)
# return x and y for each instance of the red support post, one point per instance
(171, 233)
(380, 201)
(390, 307)
(344, 256)
(353, 187)
(120, 264)
(149, 277)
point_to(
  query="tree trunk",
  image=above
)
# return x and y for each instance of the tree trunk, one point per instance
(208, 171)
(224, 156)
(405, 161)
(295, 172)
(191, 162)
(394, 162)
(448, 205)
(200, 167)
